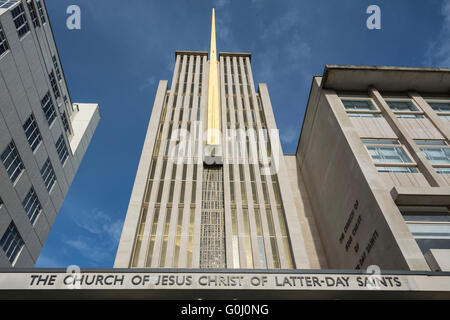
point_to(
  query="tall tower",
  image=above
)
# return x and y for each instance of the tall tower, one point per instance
(212, 188)
(43, 134)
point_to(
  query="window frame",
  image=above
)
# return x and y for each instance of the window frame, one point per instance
(352, 113)
(431, 146)
(31, 212)
(18, 242)
(20, 16)
(399, 114)
(441, 114)
(17, 158)
(389, 164)
(50, 176)
(35, 134)
(33, 13)
(3, 41)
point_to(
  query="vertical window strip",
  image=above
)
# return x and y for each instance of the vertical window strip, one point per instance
(260, 239)
(235, 238)
(53, 84)
(151, 246)
(20, 20)
(33, 13)
(139, 237)
(56, 66)
(190, 247)
(273, 239)
(247, 239)
(3, 42)
(285, 238)
(165, 239)
(65, 122)
(212, 232)
(41, 11)
(176, 256)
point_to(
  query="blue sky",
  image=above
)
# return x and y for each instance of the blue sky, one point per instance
(125, 47)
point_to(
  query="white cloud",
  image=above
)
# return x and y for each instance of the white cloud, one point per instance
(221, 3)
(257, 3)
(289, 134)
(93, 250)
(99, 224)
(298, 52)
(438, 54)
(150, 81)
(46, 262)
(282, 24)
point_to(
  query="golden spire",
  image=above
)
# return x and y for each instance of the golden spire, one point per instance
(213, 134)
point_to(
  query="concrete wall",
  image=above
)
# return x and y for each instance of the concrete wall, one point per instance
(344, 186)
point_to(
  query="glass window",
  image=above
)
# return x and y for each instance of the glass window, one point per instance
(139, 237)
(3, 43)
(31, 205)
(440, 106)
(12, 162)
(398, 169)
(20, 20)
(409, 116)
(436, 151)
(382, 154)
(358, 105)
(32, 132)
(443, 170)
(53, 84)
(5, 4)
(151, 245)
(386, 151)
(48, 108)
(33, 13)
(48, 175)
(65, 122)
(61, 148)
(380, 141)
(364, 115)
(402, 106)
(430, 226)
(11, 242)
(431, 142)
(437, 155)
(41, 11)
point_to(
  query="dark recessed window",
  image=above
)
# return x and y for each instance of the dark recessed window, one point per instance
(3, 43)
(31, 205)
(41, 11)
(12, 162)
(20, 20)
(11, 242)
(56, 65)
(32, 132)
(48, 108)
(48, 175)
(54, 85)
(33, 13)
(61, 148)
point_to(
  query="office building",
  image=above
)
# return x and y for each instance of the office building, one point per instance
(43, 134)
